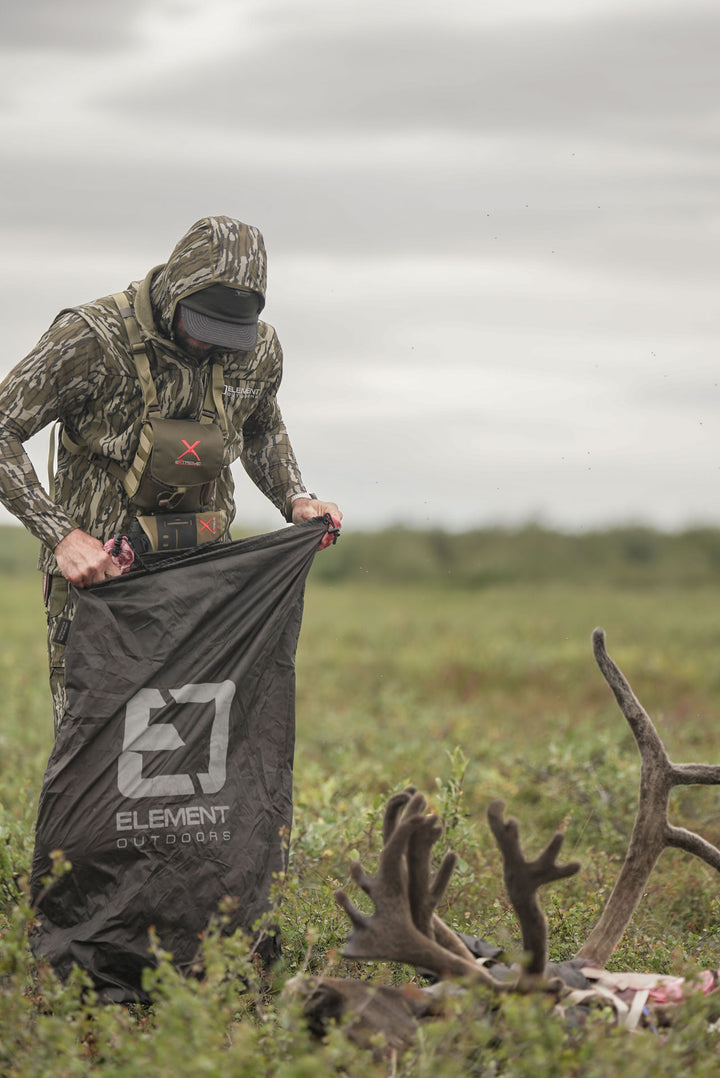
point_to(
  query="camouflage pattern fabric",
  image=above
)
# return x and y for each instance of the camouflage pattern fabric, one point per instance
(82, 373)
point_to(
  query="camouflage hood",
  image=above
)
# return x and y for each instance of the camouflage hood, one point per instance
(216, 250)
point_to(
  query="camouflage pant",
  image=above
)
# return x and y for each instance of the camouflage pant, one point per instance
(59, 608)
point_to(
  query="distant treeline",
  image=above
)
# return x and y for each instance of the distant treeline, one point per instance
(483, 557)
(487, 556)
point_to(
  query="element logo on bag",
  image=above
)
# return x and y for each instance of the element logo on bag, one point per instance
(143, 738)
(190, 454)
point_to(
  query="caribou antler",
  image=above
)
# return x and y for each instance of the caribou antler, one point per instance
(523, 880)
(404, 926)
(652, 831)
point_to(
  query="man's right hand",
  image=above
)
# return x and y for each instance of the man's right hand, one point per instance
(82, 560)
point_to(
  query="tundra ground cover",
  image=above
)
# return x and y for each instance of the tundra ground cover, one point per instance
(470, 693)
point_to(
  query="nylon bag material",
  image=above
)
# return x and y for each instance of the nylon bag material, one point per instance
(169, 787)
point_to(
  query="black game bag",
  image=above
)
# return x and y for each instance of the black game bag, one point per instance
(170, 784)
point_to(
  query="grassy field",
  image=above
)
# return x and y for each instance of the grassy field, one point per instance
(471, 694)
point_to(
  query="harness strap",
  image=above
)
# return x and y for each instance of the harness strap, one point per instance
(139, 352)
(215, 388)
(132, 477)
(51, 461)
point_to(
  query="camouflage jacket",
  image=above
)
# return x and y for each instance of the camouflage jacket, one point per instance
(82, 373)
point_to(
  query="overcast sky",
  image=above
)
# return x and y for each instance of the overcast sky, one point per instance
(492, 230)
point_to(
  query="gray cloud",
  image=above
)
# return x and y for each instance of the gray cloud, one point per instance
(637, 78)
(69, 25)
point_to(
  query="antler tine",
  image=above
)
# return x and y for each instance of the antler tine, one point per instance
(545, 864)
(523, 879)
(637, 717)
(425, 893)
(394, 809)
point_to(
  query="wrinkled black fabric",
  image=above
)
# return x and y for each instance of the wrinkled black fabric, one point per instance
(169, 787)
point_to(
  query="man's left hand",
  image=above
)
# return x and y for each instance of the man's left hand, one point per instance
(308, 508)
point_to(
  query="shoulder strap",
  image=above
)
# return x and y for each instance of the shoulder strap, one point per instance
(139, 351)
(51, 460)
(214, 395)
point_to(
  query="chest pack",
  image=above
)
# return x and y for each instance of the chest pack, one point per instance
(172, 479)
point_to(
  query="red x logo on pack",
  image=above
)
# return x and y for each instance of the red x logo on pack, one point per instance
(189, 449)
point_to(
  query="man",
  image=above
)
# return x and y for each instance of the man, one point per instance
(186, 344)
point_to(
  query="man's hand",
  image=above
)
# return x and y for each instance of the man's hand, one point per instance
(82, 560)
(307, 508)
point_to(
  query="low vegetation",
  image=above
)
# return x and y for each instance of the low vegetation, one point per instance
(462, 664)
